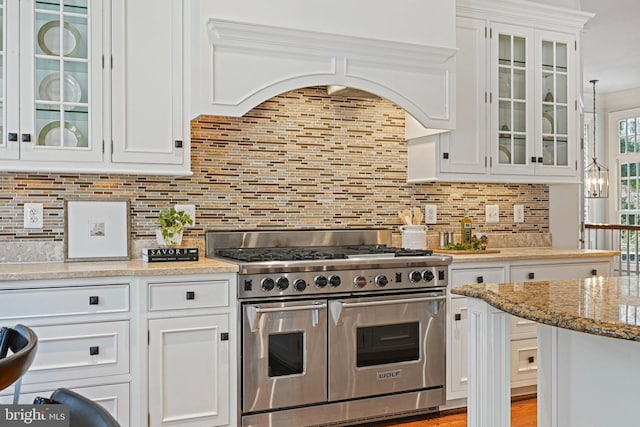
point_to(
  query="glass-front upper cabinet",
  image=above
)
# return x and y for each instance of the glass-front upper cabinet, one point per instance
(556, 97)
(60, 90)
(511, 111)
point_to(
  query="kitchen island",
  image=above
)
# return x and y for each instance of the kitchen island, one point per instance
(588, 350)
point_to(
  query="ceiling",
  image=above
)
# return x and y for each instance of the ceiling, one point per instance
(611, 45)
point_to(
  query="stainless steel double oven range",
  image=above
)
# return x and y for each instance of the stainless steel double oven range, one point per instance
(338, 326)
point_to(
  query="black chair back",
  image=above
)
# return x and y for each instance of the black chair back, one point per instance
(23, 343)
(83, 412)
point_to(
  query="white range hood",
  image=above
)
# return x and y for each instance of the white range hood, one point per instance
(245, 63)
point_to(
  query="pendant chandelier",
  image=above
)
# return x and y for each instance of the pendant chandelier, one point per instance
(596, 175)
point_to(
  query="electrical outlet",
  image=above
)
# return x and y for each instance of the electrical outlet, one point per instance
(518, 213)
(33, 215)
(492, 213)
(189, 210)
(430, 214)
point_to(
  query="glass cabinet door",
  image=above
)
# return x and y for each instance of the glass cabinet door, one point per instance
(555, 103)
(512, 100)
(66, 84)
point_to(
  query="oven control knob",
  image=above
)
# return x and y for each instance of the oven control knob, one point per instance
(360, 281)
(299, 285)
(381, 280)
(282, 283)
(415, 276)
(267, 284)
(334, 281)
(427, 276)
(320, 281)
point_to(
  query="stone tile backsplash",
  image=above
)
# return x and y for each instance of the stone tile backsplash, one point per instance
(299, 160)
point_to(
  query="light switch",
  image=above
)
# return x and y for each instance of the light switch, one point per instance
(492, 213)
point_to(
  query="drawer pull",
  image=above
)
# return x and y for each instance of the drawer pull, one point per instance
(457, 316)
(12, 137)
(531, 276)
(94, 300)
(480, 279)
(594, 272)
(191, 295)
(224, 336)
(94, 350)
(531, 359)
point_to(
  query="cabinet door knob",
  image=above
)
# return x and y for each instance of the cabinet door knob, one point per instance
(12, 136)
(94, 350)
(191, 295)
(531, 276)
(539, 159)
(457, 316)
(531, 359)
(94, 300)
(445, 156)
(480, 279)
(178, 143)
(26, 137)
(533, 159)
(224, 336)
(594, 272)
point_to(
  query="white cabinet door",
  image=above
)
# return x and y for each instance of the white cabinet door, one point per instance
(189, 371)
(148, 119)
(54, 83)
(463, 151)
(512, 124)
(556, 115)
(457, 354)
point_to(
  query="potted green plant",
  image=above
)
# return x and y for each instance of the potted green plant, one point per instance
(172, 223)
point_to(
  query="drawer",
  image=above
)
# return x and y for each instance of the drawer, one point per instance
(522, 328)
(524, 362)
(188, 295)
(470, 276)
(528, 273)
(114, 397)
(86, 350)
(69, 301)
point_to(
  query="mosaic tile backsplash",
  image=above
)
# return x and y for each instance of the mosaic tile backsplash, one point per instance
(299, 160)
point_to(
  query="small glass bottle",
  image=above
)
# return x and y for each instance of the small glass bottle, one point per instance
(465, 228)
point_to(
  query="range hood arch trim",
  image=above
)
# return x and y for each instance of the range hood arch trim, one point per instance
(418, 78)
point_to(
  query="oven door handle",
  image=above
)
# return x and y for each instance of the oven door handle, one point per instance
(338, 307)
(255, 313)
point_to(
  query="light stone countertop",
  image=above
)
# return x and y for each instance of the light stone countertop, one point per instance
(88, 269)
(530, 254)
(605, 306)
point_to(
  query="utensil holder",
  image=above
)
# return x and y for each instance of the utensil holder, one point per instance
(414, 236)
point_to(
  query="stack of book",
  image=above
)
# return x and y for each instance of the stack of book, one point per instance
(169, 254)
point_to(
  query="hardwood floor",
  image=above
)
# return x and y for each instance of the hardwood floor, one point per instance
(523, 414)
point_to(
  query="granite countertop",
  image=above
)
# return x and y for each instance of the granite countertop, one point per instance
(69, 270)
(606, 306)
(530, 254)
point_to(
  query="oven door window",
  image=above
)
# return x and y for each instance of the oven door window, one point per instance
(380, 345)
(286, 354)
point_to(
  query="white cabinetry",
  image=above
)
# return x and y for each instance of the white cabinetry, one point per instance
(92, 86)
(457, 323)
(150, 128)
(191, 361)
(517, 98)
(84, 344)
(523, 332)
(51, 96)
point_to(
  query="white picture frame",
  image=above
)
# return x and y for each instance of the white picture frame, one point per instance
(97, 230)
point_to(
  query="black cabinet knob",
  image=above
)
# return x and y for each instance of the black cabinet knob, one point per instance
(539, 159)
(12, 136)
(531, 276)
(94, 350)
(531, 359)
(480, 279)
(26, 137)
(94, 300)
(224, 336)
(457, 316)
(191, 295)
(445, 156)
(533, 159)
(594, 272)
